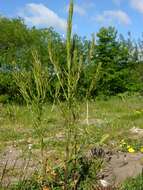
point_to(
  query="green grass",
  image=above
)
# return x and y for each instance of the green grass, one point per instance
(114, 117)
(133, 183)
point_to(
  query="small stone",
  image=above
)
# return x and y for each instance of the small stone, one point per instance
(104, 183)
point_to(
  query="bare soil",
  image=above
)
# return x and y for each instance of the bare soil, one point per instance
(122, 166)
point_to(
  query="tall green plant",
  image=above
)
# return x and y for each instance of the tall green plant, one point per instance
(33, 85)
(68, 78)
(95, 75)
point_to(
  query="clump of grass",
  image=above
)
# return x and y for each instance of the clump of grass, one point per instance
(133, 183)
(30, 184)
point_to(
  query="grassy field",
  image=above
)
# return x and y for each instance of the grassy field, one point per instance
(110, 120)
(114, 117)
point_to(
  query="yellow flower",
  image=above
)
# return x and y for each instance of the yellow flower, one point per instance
(141, 149)
(128, 146)
(131, 150)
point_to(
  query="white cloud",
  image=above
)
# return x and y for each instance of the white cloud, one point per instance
(112, 16)
(137, 4)
(83, 8)
(79, 10)
(40, 15)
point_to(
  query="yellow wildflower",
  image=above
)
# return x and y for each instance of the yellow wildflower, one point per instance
(141, 149)
(131, 150)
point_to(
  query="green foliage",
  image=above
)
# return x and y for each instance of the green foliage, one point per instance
(133, 183)
(33, 84)
(4, 99)
(83, 176)
(120, 59)
(27, 185)
(116, 66)
(8, 87)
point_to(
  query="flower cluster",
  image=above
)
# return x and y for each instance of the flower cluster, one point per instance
(130, 148)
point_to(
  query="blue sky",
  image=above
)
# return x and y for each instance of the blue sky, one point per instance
(89, 15)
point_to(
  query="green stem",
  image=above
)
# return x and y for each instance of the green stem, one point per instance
(87, 112)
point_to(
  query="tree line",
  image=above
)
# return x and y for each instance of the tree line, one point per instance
(120, 59)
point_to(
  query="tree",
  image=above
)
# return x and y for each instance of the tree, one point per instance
(116, 64)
